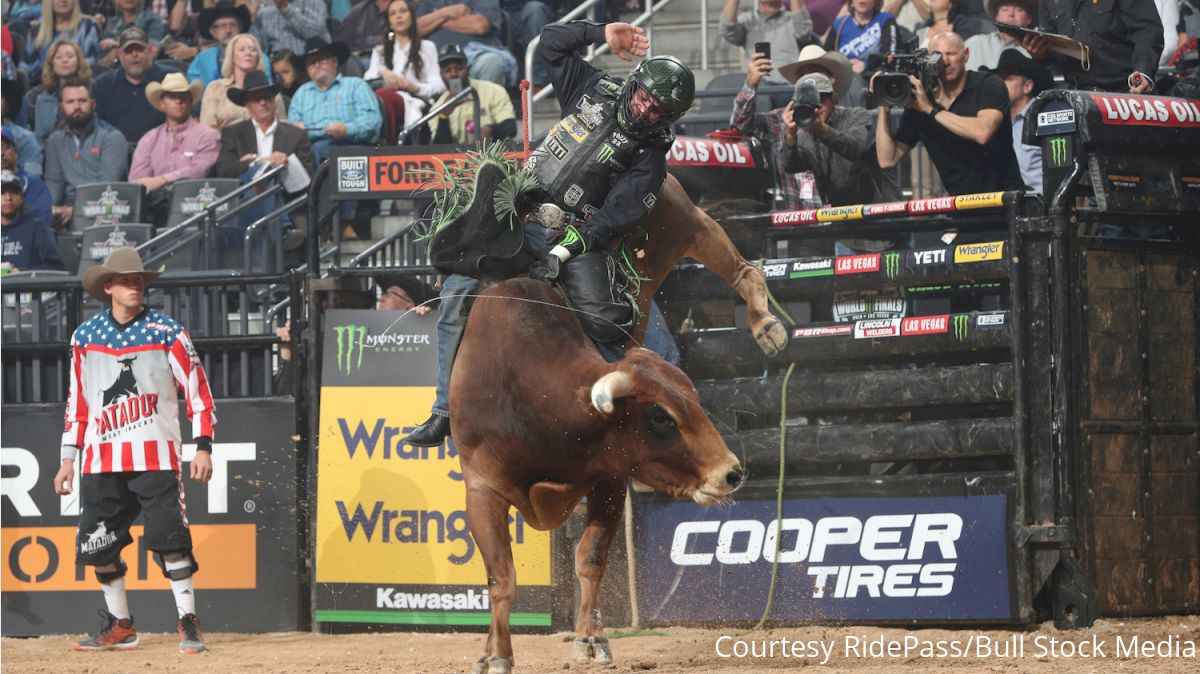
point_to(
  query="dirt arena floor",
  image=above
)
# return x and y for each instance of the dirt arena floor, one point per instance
(1158, 645)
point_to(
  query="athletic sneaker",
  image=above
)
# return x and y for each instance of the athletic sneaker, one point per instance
(114, 635)
(190, 640)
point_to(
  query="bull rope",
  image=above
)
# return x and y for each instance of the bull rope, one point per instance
(525, 115)
(783, 399)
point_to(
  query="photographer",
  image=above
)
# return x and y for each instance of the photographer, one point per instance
(965, 126)
(835, 143)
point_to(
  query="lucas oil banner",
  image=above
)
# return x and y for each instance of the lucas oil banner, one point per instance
(393, 544)
(839, 559)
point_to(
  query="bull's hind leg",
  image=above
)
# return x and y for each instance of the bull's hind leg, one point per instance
(605, 503)
(487, 515)
(713, 249)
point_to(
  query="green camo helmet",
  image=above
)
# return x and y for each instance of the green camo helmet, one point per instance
(670, 88)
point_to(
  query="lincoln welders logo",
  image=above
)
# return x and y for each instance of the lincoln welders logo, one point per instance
(354, 341)
(1058, 151)
(891, 261)
(960, 326)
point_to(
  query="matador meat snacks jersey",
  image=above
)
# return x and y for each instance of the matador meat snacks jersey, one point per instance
(123, 409)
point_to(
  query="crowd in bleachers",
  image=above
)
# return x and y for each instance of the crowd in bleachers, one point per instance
(93, 89)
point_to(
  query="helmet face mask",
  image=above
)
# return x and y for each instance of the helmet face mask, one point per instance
(655, 95)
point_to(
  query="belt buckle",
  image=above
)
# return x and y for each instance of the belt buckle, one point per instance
(551, 215)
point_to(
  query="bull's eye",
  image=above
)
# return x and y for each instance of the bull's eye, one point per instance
(659, 423)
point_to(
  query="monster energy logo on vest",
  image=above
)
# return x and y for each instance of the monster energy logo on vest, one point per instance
(583, 154)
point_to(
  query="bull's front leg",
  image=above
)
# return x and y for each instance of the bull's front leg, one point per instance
(487, 515)
(713, 249)
(605, 503)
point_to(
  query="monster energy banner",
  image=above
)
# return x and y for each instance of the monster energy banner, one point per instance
(379, 348)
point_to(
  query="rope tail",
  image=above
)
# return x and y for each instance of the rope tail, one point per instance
(525, 116)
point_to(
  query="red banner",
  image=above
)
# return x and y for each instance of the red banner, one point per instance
(1128, 109)
(709, 152)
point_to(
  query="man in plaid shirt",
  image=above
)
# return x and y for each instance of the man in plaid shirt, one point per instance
(128, 365)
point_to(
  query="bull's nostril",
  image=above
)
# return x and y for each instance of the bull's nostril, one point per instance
(734, 478)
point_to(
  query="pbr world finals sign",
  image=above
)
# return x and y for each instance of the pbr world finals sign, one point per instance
(393, 544)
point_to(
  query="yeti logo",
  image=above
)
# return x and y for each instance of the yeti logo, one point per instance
(125, 386)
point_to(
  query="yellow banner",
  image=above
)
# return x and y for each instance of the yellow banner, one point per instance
(392, 513)
(42, 559)
(966, 202)
(840, 213)
(979, 252)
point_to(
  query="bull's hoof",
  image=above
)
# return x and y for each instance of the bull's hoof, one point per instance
(492, 664)
(772, 338)
(591, 649)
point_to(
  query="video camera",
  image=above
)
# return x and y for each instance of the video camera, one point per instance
(892, 87)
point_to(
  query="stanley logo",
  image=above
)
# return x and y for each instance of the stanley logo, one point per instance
(960, 326)
(350, 340)
(892, 264)
(1058, 151)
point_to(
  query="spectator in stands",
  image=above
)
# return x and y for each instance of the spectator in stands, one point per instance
(946, 15)
(863, 32)
(37, 197)
(130, 13)
(837, 144)
(985, 48)
(1168, 16)
(333, 109)
(86, 150)
(786, 29)
(42, 106)
(360, 30)
(1126, 37)
(242, 56)
(473, 25)
(404, 293)
(965, 127)
(288, 70)
(178, 149)
(262, 138)
(290, 24)
(23, 16)
(527, 18)
(28, 147)
(1025, 79)
(61, 19)
(219, 24)
(121, 93)
(796, 190)
(28, 241)
(457, 125)
(409, 69)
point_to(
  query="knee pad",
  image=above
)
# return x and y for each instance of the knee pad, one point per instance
(598, 287)
(180, 573)
(107, 575)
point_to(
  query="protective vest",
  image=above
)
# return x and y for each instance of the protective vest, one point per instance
(584, 153)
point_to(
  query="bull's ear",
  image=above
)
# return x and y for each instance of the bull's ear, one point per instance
(610, 387)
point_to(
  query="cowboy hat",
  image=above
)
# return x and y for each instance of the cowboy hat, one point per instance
(255, 82)
(316, 46)
(121, 261)
(221, 10)
(417, 291)
(813, 58)
(1012, 61)
(173, 83)
(1030, 7)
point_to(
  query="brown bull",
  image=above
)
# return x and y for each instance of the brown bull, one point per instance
(678, 228)
(542, 421)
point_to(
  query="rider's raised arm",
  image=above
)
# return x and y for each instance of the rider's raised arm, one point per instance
(569, 73)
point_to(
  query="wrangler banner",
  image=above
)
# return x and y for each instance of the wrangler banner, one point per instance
(392, 540)
(243, 525)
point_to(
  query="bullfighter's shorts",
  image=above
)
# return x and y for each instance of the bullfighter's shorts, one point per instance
(111, 501)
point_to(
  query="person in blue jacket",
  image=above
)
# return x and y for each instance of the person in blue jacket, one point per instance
(37, 197)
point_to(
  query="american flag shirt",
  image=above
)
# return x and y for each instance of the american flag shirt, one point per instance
(123, 409)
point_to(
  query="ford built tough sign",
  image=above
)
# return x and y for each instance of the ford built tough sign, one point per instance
(862, 559)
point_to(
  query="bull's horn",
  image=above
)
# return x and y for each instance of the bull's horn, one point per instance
(610, 387)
